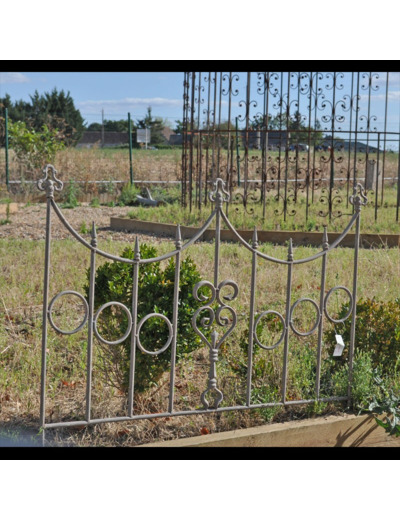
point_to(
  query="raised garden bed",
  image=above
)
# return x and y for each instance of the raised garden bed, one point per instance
(300, 238)
(337, 431)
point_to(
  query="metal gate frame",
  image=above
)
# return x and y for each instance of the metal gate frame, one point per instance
(214, 306)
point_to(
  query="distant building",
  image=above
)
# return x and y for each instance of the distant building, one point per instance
(275, 139)
(90, 139)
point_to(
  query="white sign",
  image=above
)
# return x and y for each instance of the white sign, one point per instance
(143, 135)
(339, 345)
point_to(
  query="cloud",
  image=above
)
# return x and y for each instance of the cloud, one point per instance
(118, 106)
(393, 95)
(394, 79)
(13, 77)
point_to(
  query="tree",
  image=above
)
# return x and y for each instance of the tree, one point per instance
(179, 127)
(156, 126)
(51, 108)
(94, 127)
(54, 109)
(34, 149)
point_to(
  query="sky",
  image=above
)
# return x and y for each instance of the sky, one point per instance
(118, 93)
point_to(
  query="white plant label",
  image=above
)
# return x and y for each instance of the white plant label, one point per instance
(339, 345)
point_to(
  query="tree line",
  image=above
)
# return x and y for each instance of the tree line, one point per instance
(56, 110)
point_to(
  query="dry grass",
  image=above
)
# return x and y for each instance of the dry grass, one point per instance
(81, 164)
(20, 340)
(274, 219)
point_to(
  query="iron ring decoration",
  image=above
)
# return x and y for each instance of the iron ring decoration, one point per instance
(326, 304)
(170, 335)
(128, 331)
(53, 301)
(275, 313)
(316, 323)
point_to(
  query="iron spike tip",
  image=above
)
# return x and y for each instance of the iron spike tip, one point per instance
(136, 245)
(94, 231)
(255, 237)
(290, 250)
(178, 235)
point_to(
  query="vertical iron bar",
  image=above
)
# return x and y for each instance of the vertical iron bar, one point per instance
(6, 143)
(287, 320)
(135, 283)
(214, 136)
(237, 152)
(192, 111)
(246, 146)
(280, 137)
(184, 139)
(92, 274)
(285, 202)
(208, 138)
(297, 139)
(178, 245)
(219, 124)
(332, 173)
(350, 140)
(130, 147)
(377, 178)
(384, 137)
(228, 158)
(325, 246)
(198, 161)
(266, 123)
(354, 309)
(309, 148)
(356, 132)
(368, 123)
(45, 315)
(398, 174)
(217, 241)
(315, 127)
(251, 324)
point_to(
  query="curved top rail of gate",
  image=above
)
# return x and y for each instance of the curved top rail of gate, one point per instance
(218, 197)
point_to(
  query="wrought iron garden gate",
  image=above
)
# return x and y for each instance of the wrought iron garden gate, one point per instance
(219, 312)
(292, 141)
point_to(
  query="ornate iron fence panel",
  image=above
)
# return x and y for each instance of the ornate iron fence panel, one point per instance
(221, 316)
(297, 140)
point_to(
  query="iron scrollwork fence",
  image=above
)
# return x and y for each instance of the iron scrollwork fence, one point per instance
(217, 306)
(299, 140)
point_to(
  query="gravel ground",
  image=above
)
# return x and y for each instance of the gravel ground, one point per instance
(30, 223)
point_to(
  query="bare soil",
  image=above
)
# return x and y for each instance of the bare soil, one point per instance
(30, 223)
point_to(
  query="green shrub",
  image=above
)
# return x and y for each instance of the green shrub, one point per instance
(334, 379)
(128, 195)
(377, 332)
(155, 295)
(168, 195)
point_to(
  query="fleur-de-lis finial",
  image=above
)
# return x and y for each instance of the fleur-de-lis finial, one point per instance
(219, 195)
(49, 184)
(358, 198)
